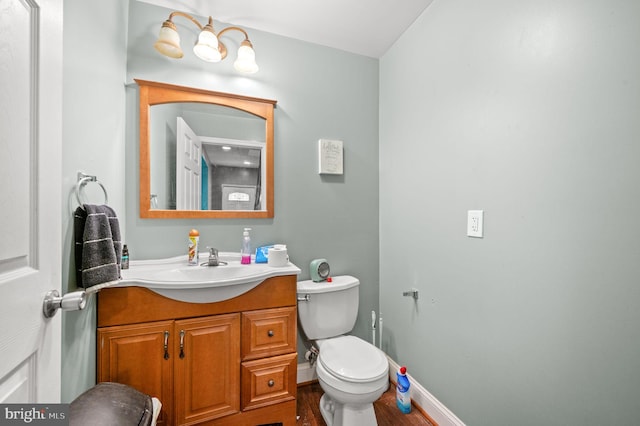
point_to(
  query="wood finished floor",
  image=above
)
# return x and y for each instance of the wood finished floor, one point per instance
(386, 411)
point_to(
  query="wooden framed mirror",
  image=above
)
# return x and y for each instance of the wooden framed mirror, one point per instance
(204, 154)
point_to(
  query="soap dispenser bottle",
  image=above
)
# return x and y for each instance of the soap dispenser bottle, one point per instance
(245, 253)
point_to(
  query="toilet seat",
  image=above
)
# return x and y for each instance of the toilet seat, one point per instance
(351, 359)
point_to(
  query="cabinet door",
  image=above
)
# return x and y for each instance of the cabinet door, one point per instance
(140, 356)
(207, 368)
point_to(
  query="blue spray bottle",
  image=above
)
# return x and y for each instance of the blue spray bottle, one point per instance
(403, 397)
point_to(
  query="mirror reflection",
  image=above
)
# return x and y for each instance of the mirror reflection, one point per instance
(204, 154)
(206, 157)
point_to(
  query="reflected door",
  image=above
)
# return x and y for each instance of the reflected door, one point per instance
(188, 167)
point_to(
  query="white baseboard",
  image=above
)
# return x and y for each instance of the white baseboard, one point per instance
(421, 397)
(306, 373)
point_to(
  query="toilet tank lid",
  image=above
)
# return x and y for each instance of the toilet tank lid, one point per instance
(341, 282)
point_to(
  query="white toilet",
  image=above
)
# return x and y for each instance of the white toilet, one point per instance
(352, 372)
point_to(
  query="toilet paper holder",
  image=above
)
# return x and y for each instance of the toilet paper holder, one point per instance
(411, 293)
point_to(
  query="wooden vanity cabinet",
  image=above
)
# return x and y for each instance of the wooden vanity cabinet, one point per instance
(224, 363)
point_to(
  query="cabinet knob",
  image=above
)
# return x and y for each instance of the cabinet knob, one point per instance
(270, 333)
(271, 383)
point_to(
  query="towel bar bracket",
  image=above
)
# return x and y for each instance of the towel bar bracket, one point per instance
(69, 302)
(89, 178)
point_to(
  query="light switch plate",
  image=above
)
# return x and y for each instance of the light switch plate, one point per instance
(475, 223)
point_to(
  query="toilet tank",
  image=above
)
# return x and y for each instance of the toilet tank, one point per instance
(332, 307)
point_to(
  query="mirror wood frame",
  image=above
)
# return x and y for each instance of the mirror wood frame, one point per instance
(154, 93)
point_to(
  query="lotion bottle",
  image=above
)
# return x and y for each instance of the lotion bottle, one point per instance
(245, 252)
(194, 237)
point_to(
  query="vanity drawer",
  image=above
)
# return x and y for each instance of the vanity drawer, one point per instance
(268, 381)
(268, 332)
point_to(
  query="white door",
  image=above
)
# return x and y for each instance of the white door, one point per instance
(188, 167)
(30, 190)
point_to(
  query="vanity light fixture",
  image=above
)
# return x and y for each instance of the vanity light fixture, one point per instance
(208, 47)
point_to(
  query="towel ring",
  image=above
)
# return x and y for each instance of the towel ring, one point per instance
(83, 179)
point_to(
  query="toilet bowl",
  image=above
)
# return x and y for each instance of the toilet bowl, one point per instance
(352, 372)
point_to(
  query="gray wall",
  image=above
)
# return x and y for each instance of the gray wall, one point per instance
(321, 93)
(93, 142)
(529, 111)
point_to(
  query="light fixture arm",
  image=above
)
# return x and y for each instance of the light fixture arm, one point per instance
(221, 46)
(246, 36)
(189, 17)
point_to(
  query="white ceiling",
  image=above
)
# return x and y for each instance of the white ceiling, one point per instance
(365, 27)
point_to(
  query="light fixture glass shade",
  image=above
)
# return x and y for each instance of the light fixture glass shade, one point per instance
(246, 61)
(207, 46)
(168, 42)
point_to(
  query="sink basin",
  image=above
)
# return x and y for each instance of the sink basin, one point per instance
(174, 279)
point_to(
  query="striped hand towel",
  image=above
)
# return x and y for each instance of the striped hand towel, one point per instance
(98, 247)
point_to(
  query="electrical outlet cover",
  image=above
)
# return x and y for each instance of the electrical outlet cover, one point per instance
(475, 223)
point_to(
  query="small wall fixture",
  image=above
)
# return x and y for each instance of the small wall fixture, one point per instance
(411, 293)
(208, 47)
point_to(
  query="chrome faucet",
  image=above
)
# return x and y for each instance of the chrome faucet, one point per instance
(214, 259)
(213, 256)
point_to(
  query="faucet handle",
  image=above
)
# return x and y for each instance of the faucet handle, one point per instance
(213, 251)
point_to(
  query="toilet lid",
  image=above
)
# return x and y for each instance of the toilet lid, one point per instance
(353, 359)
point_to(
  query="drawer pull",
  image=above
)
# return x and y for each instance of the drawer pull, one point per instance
(271, 383)
(270, 333)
